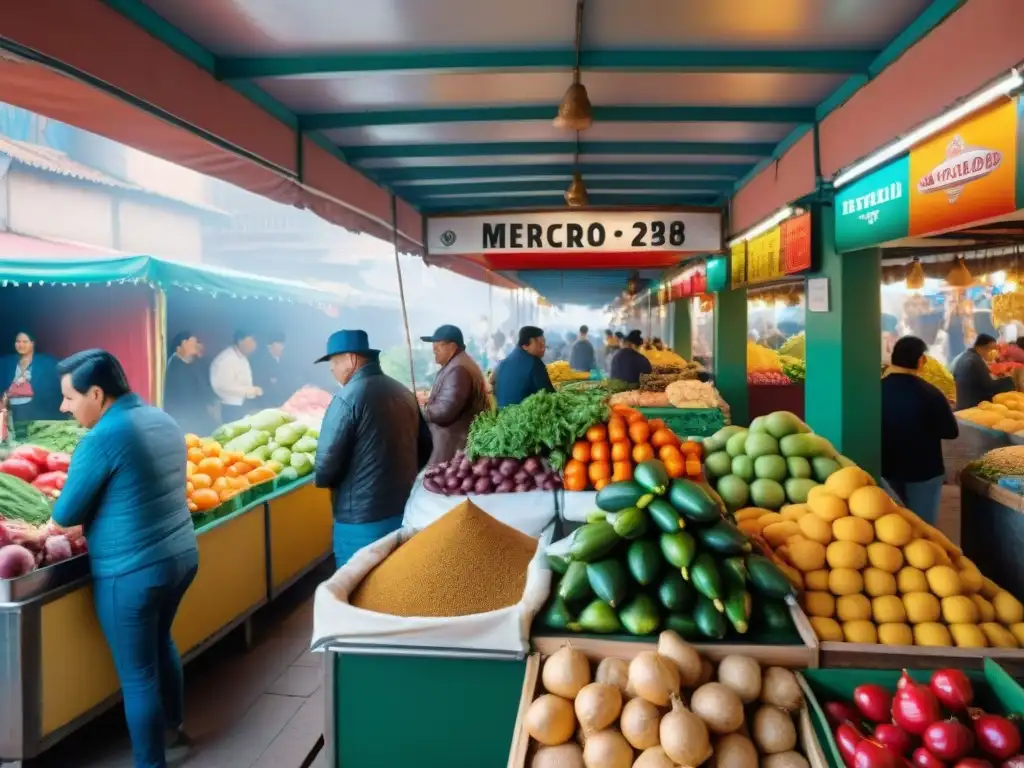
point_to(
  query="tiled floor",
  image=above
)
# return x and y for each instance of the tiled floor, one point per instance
(264, 708)
(261, 709)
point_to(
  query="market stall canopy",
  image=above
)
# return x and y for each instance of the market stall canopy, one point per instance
(449, 103)
(593, 288)
(214, 281)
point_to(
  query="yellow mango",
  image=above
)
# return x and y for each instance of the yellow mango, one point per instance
(827, 630)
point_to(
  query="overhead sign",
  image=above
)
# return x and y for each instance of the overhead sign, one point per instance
(764, 257)
(575, 232)
(738, 264)
(966, 174)
(796, 244)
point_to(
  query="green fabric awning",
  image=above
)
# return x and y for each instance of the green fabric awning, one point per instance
(159, 273)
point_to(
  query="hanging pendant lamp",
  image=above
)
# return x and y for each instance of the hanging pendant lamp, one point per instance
(574, 110)
(576, 194)
(959, 276)
(915, 276)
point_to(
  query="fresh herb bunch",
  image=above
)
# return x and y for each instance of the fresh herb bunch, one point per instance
(544, 424)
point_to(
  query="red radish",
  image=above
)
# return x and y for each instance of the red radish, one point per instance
(948, 740)
(895, 738)
(871, 754)
(1017, 761)
(973, 762)
(997, 736)
(953, 688)
(905, 679)
(915, 707)
(874, 702)
(925, 759)
(847, 738)
(841, 712)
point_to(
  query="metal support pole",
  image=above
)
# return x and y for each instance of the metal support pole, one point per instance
(401, 291)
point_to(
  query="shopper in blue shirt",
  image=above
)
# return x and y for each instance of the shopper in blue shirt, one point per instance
(126, 486)
(523, 373)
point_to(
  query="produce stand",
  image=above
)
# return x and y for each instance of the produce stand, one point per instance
(974, 440)
(992, 530)
(56, 673)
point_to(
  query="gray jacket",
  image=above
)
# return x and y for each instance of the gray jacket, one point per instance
(974, 381)
(373, 443)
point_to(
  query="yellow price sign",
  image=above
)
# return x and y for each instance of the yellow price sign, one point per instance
(764, 257)
(738, 264)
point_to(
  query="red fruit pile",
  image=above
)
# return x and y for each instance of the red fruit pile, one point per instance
(927, 726)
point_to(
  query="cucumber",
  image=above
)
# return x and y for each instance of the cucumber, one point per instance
(598, 617)
(685, 625)
(556, 615)
(738, 605)
(608, 580)
(711, 622)
(705, 578)
(652, 476)
(676, 594)
(558, 564)
(734, 572)
(665, 516)
(574, 586)
(678, 548)
(774, 616)
(693, 502)
(724, 538)
(630, 523)
(616, 497)
(644, 560)
(767, 579)
(592, 542)
(640, 616)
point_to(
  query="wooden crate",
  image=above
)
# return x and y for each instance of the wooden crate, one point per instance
(597, 649)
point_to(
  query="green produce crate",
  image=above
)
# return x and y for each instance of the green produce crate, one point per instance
(994, 690)
(688, 422)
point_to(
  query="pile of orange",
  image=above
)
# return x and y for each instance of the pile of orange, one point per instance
(611, 451)
(215, 475)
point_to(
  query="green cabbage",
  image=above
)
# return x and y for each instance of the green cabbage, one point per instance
(270, 419)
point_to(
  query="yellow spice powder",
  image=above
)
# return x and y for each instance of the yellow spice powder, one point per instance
(463, 563)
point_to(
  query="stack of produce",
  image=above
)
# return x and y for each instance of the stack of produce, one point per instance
(776, 461)
(693, 394)
(308, 405)
(1004, 413)
(1007, 461)
(936, 374)
(24, 546)
(460, 476)
(46, 471)
(624, 711)
(216, 474)
(21, 501)
(665, 358)
(545, 424)
(793, 368)
(56, 436)
(559, 372)
(659, 378)
(633, 567)
(640, 399)
(762, 359)
(795, 346)
(874, 572)
(463, 563)
(610, 451)
(1008, 308)
(932, 725)
(275, 438)
(766, 367)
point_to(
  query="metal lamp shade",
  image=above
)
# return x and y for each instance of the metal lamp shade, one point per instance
(576, 194)
(574, 111)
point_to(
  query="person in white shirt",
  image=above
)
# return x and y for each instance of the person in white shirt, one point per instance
(231, 378)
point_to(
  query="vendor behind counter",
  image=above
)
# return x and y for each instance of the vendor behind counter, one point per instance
(29, 383)
(974, 381)
(523, 373)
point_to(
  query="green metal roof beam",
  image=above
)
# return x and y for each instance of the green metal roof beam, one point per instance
(497, 149)
(419, 192)
(602, 114)
(459, 172)
(556, 200)
(660, 60)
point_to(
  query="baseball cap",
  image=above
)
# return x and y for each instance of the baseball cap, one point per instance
(446, 333)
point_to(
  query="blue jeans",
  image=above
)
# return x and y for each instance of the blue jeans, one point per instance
(922, 498)
(136, 612)
(349, 538)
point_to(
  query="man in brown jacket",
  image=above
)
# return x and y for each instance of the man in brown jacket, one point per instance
(458, 395)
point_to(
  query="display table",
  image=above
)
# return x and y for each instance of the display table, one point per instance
(992, 531)
(973, 442)
(56, 672)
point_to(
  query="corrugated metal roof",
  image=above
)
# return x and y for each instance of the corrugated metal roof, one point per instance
(54, 161)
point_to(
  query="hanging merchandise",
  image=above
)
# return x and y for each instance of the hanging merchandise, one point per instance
(959, 276)
(915, 276)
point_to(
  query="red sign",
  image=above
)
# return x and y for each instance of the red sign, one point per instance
(796, 244)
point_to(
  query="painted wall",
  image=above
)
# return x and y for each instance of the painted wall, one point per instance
(48, 206)
(155, 229)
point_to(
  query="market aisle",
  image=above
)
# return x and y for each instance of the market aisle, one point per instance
(262, 709)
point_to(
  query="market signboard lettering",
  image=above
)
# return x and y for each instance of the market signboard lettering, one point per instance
(764, 257)
(738, 264)
(875, 208)
(635, 231)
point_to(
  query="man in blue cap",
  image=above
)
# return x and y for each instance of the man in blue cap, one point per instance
(373, 443)
(458, 395)
(522, 373)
